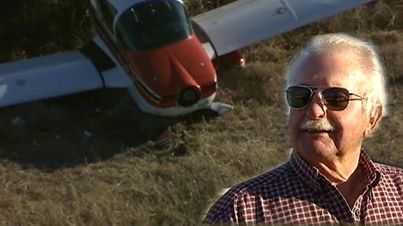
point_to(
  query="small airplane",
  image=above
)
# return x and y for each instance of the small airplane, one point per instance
(158, 53)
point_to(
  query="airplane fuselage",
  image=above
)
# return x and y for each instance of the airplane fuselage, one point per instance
(154, 43)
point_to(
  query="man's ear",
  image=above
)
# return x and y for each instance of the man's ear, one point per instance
(374, 120)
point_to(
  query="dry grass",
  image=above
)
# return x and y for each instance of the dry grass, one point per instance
(52, 173)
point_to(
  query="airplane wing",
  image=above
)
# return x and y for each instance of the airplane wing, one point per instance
(245, 22)
(58, 74)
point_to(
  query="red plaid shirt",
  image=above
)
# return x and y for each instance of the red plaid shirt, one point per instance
(296, 193)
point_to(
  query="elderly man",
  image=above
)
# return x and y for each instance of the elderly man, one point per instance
(336, 93)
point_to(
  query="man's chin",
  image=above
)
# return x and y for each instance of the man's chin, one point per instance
(316, 150)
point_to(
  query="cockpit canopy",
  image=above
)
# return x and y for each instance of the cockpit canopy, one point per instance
(145, 25)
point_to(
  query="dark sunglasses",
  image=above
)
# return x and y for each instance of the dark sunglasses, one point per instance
(335, 98)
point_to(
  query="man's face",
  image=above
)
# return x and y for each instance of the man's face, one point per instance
(339, 68)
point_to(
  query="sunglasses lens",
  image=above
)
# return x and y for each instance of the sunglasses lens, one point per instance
(336, 98)
(298, 97)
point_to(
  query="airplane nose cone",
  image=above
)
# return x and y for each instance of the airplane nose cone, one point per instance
(189, 96)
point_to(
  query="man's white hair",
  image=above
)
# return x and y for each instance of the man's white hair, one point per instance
(376, 91)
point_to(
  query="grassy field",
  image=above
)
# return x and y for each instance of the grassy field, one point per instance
(89, 159)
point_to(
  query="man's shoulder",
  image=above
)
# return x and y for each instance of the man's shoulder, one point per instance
(388, 169)
(391, 174)
(270, 183)
(273, 179)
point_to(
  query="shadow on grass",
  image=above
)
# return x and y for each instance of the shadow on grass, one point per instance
(81, 129)
(75, 130)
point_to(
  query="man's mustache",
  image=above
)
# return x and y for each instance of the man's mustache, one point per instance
(317, 126)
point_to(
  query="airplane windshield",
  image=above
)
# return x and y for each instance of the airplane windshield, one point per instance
(152, 24)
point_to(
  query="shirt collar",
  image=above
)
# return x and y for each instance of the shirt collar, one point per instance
(313, 178)
(308, 174)
(371, 173)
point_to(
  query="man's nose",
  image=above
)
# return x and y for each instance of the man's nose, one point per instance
(316, 108)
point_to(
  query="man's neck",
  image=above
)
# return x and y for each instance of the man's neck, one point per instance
(353, 187)
(338, 170)
(346, 174)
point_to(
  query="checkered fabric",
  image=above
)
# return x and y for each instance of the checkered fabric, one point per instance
(296, 193)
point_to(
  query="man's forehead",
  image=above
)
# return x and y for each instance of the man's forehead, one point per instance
(333, 61)
(331, 68)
